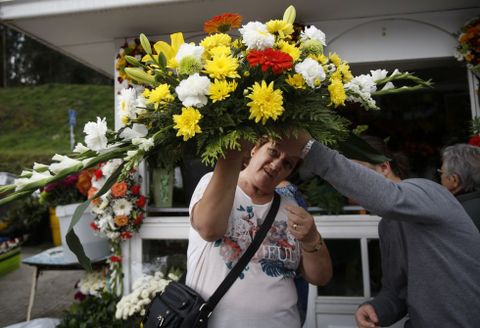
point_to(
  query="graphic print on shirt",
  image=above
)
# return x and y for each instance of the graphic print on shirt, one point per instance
(278, 255)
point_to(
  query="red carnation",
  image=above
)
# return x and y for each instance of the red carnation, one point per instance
(139, 219)
(125, 235)
(277, 60)
(135, 189)
(475, 140)
(140, 201)
(98, 174)
(115, 259)
(94, 226)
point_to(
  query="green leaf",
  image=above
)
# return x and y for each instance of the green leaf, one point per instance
(357, 148)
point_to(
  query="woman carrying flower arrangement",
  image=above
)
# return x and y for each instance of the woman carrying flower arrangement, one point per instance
(227, 207)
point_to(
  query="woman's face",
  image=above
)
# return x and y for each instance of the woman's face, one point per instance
(270, 164)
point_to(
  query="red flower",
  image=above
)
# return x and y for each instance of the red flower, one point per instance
(79, 296)
(139, 219)
(140, 201)
(115, 259)
(222, 23)
(94, 226)
(475, 140)
(135, 189)
(277, 60)
(98, 174)
(125, 235)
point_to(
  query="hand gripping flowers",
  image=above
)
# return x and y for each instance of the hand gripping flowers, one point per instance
(204, 97)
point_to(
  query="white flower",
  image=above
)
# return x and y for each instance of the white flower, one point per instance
(256, 36)
(388, 85)
(313, 33)
(39, 167)
(64, 162)
(136, 131)
(365, 83)
(80, 148)
(193, 91)
(111, 166)
(127, 103)
(96, 138)
(311, 71)
(189, 49)
(122, 206)
(130, 155)
(140, 104)
(34, 177)
(143, 144)
(378, 74)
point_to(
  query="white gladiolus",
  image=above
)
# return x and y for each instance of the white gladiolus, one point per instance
(80, 148)
(313, 33)
(136, 131)
(193, 91)
(110, 167)
(378, 74)
(96, 138)
(39, 167)
(311, 71)
(143, 144)
(64, 162)
(127, 103)
(256, 36)
(34, 177)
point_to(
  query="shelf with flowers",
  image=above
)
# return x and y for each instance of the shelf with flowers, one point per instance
(205, 98)
(468, 48)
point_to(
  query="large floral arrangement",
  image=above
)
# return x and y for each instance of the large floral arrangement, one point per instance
(468, 48)
(204, 98)
(475, 130)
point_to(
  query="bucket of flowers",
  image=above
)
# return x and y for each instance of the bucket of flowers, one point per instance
(206, 97)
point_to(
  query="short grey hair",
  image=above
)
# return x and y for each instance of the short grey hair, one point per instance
(464, 161)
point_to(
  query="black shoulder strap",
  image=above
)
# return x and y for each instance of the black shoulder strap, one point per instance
(251, 250)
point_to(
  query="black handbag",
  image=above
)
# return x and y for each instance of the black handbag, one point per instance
(179, 306)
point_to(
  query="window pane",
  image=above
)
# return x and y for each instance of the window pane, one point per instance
(347, 269)
(375, 266)
(164, 255)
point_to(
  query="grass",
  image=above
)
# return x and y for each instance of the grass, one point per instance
(34, 120)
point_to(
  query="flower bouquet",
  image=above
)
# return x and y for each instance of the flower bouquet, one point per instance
(468, 48)
(204, 98)
(475, 129)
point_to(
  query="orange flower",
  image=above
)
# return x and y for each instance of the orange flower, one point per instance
(222, 23)
(91, 193)
(119, 189)
(84, 181)
(121, 220)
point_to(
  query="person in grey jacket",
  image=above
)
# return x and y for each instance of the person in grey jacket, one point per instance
(460, 173)
(429, 241)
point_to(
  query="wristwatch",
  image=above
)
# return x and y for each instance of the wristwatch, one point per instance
(316, 248)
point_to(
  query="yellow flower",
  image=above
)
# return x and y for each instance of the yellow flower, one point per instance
(222, 67)
(216, 40)
(187, 123)
(337, 92)
(159, 96)
(280, 26)
(296, 81)
(220, 51)
(266, 102)
(290, 49)
(322, 59)
(344, 68)
(220, 90)
(335, 59)
(169, 51)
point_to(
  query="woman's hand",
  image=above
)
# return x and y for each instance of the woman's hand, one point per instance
(301, 224)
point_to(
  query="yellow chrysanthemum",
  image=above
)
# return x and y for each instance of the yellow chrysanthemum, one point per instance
(296, 81)
(281, 27)
(222, 67)
(337, 92)
(187, 123)
(266, 102)
(322, 59)
(290, 49)
(344, 68)
(220, 90)
(159, 96)
(168, 50)
(216, 40)
(237, 43)
(220, 51)
(335, 59)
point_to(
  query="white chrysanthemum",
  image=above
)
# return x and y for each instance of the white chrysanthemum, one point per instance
(379, 74)
(122, 206)
(127, 103)
(96, 138)
(365, 83)
(313, 33)
(193, 91)
(80, 148)
(34, 177)
(93, 283)
(136, 131)
(189, 50)
(256, 36)
(355, 93)
(312, 72)
(64, 162)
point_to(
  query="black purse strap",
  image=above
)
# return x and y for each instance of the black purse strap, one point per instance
(251, 250)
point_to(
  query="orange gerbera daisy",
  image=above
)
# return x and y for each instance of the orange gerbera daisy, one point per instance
(121, 220)
(222, 23)
(119, 189)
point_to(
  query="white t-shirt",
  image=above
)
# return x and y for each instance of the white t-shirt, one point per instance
(264, 295)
